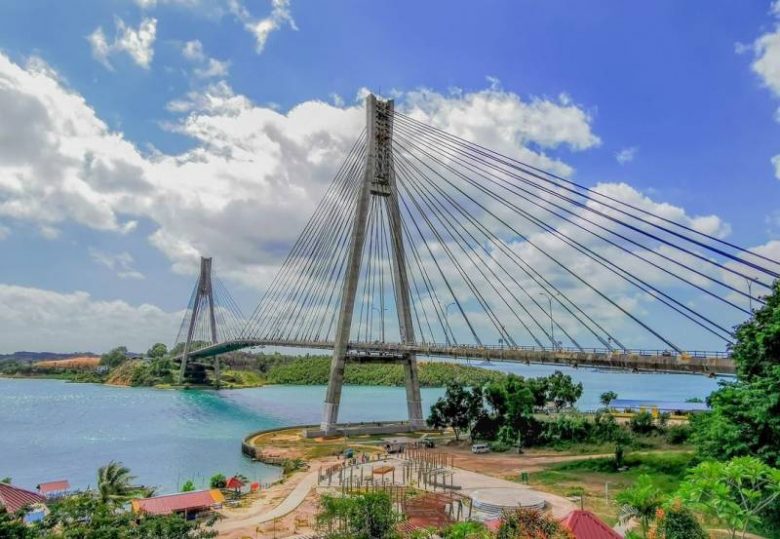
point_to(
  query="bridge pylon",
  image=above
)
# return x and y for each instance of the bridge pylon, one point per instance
(204, 294)
(378, 181)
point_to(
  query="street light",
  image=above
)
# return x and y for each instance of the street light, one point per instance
(447, 319)
(552, 327)
(381, 321)
(750, 281)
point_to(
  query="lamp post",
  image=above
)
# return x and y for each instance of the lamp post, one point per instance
(552, 327)
(447, 319)
(750, 282)
(381, 321)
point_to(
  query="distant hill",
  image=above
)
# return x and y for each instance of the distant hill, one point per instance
(40, 356)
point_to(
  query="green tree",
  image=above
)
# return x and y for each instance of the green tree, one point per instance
(218, 481)
(188, 486)
(115, 484)
(607, 397)
(737, 492)
(562, 391)
(459, 409)
(756, 348)
(157, 351)
(364, 516)
(745, 415)
(115, 357)
(12, 526)
(86, 516)
(6, 480)
(640, 501)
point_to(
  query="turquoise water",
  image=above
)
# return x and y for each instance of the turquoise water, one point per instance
(50, 429)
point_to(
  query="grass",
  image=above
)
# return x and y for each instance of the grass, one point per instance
(232, 378)
(315, 371)
(599, 482)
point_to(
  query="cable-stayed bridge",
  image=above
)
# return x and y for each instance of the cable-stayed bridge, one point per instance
(428, 244)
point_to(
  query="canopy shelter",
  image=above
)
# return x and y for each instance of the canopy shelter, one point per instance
(186, 503)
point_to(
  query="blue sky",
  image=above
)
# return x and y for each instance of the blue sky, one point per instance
(685, 90)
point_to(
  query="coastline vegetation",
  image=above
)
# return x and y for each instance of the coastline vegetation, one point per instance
(156, 368)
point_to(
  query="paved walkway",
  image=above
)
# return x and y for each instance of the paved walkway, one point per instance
(469, 481)
(292, 501)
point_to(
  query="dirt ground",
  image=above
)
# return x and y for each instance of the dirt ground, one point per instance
(81, 362)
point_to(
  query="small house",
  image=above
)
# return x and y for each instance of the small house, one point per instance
(187, 504)
(14, 499)
(53, 489)
(585, 525)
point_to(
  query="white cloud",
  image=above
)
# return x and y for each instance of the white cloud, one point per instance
(206, 67)
(626, 155)
(45, 320)
(252, 179)
(146, 4)
(776, 163)
(138, 44)
(766, 65)
(120, 263)
(261, 29)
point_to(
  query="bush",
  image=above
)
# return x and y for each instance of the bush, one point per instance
(218, 481)
(678, 434)
(466, 530)
(642, 423)
(677, 522)
(567, 428)
(499, 446)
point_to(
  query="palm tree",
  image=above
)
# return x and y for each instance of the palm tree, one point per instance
(641, 502)
(115, 483)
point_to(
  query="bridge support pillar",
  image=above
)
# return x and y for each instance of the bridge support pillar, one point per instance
(204, 293)
(379, 180)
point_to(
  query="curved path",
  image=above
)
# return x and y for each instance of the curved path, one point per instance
(469, 481)
(289, 504)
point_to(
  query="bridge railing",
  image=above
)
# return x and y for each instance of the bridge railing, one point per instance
(433, 346)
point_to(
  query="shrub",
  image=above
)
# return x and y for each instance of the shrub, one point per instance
(678, 434)
(218, 481)
(567, 428)
(499, 446)
(642, 423)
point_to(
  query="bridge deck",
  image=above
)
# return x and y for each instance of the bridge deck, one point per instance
(633, 360)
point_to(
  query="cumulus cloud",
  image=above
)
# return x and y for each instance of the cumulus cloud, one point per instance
(626, 155)
(766, 64)
(205, 67)
(254, 175)
(137, 43)
(122, 264)
(45, 320)
(261, 29)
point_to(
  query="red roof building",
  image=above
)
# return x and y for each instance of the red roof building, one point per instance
(586, 525)
(184, 502)
(234, 483)
(53, 487)
(15, 498)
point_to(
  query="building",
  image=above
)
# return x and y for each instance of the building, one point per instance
(187, 504)
(53, 489)
(586, 525)
(14, 499)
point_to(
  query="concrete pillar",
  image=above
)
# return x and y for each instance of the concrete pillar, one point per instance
(204, 290)
(379, 180)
